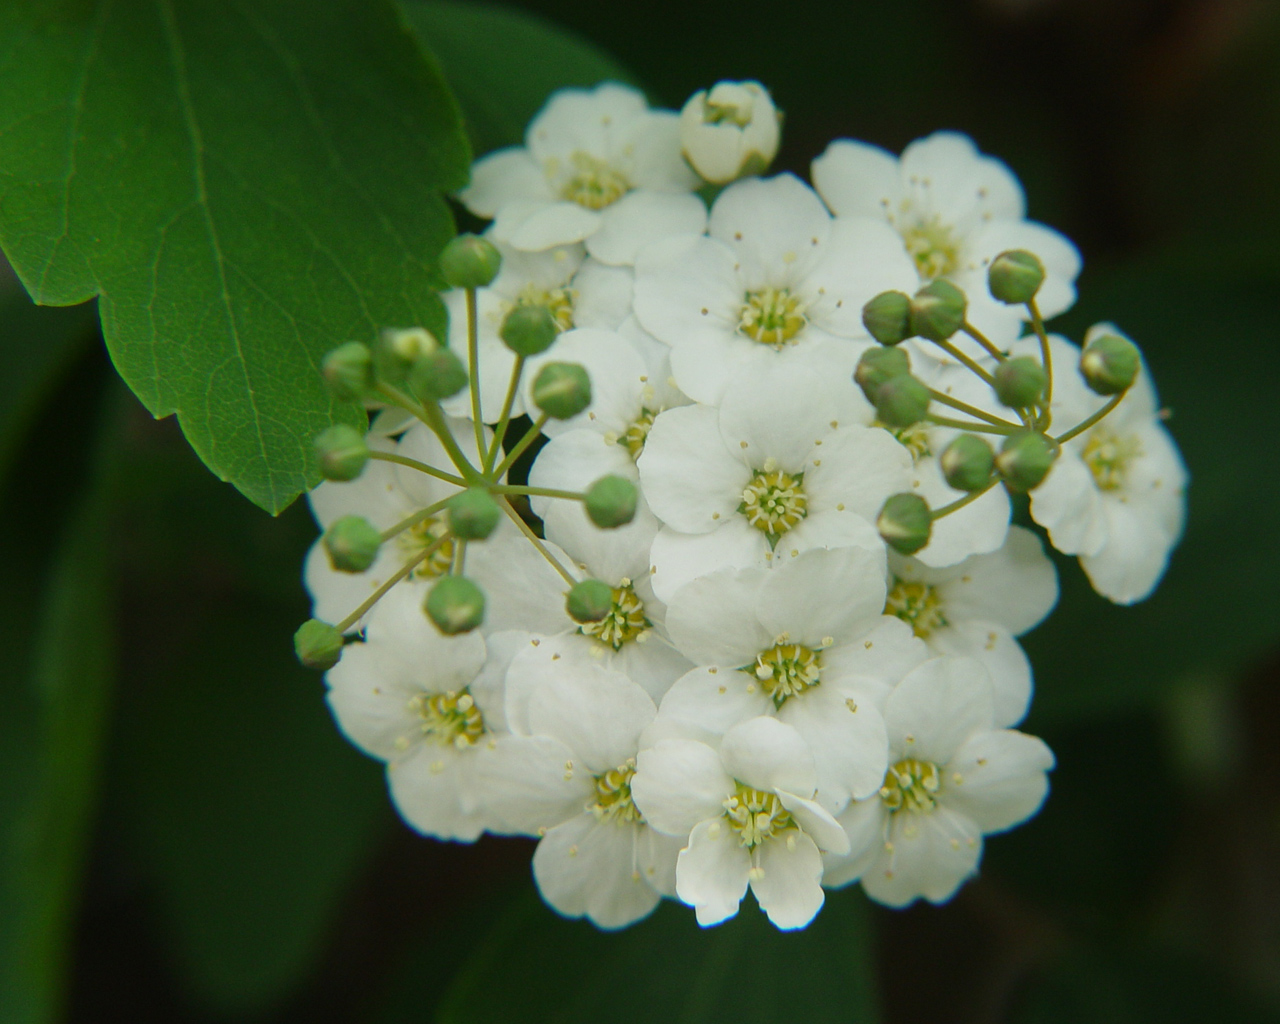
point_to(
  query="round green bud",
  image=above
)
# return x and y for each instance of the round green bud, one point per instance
(348, 370)
(398, 349)
(473, 514)
(589, 601)
(562, 390)
(437, 375)
(455, 605)
(611, 502)
(887, 317)
(470, 261)
(528, 329)
(352, 543)
(937, 311)
(901, 401)
(1020, 382)
(342, 452)
(967, 462)
(318, 645)
(1110, 364)
(1025, 459)
(878, 365)
(905, 523)
(1014, 277)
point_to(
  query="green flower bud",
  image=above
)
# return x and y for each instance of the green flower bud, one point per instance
(455, 605)
(562, 390)
(473, 514)
(352, 543)
(1110, 364)
(878, 365)
(589, 601)
(901, 401)
(529, 329)
(937, 311)
(348, 370)
(470, 261)
(318, 645)
(1020, 382)
(967, 462)
(437, 375)
(398, 349)
(887, 317)
(611, 502)
(1025, 460)
(904, 522)
(342, 452)
(1014, 277)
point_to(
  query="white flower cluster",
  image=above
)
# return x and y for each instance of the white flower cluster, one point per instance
(788, 654)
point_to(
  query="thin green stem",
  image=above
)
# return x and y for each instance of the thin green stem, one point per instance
(459, 558)
(1037, 324)
(1097, 417)
(541, 492)
(983, 340)
(395, 578)
(969, 364)
(960, 503)
(473, 355)
(535, 540)
(530, 436)
(399, 398)
(414, 520)
(435, 420)
(421, 467)
(965, 407)
(504, 420)
(977, 428)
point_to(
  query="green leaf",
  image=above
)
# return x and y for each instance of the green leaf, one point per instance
(503, 64)
(243, 185)
(51, 740)
(535, 967)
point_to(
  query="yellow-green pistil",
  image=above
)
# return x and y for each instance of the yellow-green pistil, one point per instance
(911, 785)
(451, 719)
(774, 501)
(1108, 456)
(756, 815)
(933, 246)
(916, 604)
(624, 622)
(556, 301)
(613, 796)
(638, 433)
(594, 183)
(422, 535)
(787, 670)
(772, 316)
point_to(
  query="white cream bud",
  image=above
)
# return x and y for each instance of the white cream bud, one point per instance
(731, 131)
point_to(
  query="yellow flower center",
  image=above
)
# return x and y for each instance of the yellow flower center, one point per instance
(1108, 457)
(451, 719)
(613, 796)
(624, 622)
(593, 183)
(914, 438)
(557, 301)
(772, 316)
(911, 785)
(756, 816)
(422, 535)
(633, 440)
(916, 604)
(933, 246)
(774, 501)
(787, 670)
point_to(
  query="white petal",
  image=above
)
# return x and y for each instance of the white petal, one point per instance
(641, 218)
(1060, 257)
(369, 694)
(609, 555)
(712, 620)
(829, 529)
(523, 785)
(862, 258)
(656, 854)
(617, 379)
(856, 179)
(1004, 780)
(534, 227)
(574, 461)
(775, 226)
(652, 146)
(823, 597)
(489, 688)
(769, 755)
(603, 295)
(711, 872)
(676, 280)
(1130, 563)
(590, 120)
(857, 468)
(947, 171)
(598, 714)
(1000, 654)
(782, 416)
(931, 856)
(691, 480)
(979, 527)
(865, 823)
(681, 558)
(588, 868)
(705, 703)
(1068, 505)
(937, 707)
(1016, 586)
(503, 176)
(848, 740)
(652, 663)
(787, 882)
(679, 783)
(876, 662)
(522, 590)
(440, 662)
(817, 822)
(428, 789)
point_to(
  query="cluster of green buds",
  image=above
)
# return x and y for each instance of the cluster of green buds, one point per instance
(1023, 385)
(412, 370)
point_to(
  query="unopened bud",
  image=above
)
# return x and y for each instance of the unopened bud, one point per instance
(352, 543)
(1025, 460)
(473, 514)
(905, 523)
(398, 349)
(1020, 382)
(937, 311)
(730, 132)
(967, 462)
(1014, 277)
(589, 601)
(887, 317)
(901, 401)
(878, 365)
(562, 390)
(348, 370)
(529, 329)
(470, 261)
(437, 375)
(1110, 364)
(455, 605)
(342, 452)
(611, 502)
(318, 645)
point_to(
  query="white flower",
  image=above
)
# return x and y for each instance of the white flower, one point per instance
(953, 778)
(428, 705)
(566, 776)
(730, 131)
(750, 818)
(771, 473)
(1115, 495)
(776, 280)
(955, 209)
(597, 166)
(976, 608)
(806, 643)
